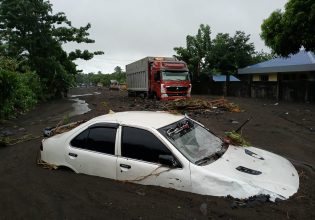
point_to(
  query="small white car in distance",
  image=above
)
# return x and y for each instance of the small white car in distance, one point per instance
(173, 151)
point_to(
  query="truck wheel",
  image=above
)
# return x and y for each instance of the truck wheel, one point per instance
(150, 95)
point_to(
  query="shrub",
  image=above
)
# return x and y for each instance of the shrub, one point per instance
(19, 92)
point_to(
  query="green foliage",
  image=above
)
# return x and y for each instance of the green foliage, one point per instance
(261, 56)
(19, 91)
(66, 119)
(196, 50)
(230, 53)
(31, 33)
(286, 32)
(223, 54)
(118, 75)
(237, 139)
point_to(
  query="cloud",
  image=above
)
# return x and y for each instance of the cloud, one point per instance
(129, 30)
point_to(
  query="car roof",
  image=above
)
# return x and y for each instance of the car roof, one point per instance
(141, 118)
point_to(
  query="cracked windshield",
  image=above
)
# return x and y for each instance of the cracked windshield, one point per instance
(192, 140)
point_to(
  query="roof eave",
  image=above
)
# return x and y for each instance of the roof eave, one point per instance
(278, 69)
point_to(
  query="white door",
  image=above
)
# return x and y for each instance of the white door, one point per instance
(92, 152)
(146, 160)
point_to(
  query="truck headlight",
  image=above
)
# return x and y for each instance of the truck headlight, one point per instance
(163, 88)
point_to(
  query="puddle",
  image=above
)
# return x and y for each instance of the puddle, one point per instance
(86, 94)
(80, 107)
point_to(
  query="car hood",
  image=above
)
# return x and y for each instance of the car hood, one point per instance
(260, 169)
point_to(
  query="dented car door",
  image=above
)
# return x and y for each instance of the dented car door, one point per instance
(145, 159)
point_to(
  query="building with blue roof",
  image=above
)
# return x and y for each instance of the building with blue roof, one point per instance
(217, 84)
(222, 78)
(284, 78)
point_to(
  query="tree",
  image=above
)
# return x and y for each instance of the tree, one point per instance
(30, 31)
(118, 70)
(230, 53)
(196, 49)
(262, 56)
(286, 32)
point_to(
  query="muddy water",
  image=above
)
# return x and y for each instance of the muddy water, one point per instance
(80, 107)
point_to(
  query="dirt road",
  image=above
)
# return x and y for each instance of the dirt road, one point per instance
(28, 191)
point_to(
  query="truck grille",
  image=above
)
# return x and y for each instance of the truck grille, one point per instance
(176, 94)
(176, 89)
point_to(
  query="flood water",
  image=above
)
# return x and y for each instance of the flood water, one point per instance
(80, 107)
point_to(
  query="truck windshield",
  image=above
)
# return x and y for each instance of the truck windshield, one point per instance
(195, 142)
(174, 75)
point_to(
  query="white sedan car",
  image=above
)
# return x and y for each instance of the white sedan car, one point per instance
(173, 151)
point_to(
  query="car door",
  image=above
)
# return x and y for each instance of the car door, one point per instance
(92, 151)
(141, 161)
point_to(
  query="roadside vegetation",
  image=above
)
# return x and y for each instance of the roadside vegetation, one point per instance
(33, 65)
(20, 91)
(104, 79)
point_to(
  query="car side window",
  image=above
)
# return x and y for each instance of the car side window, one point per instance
(99, 139)
(142, 145)
(80, 140)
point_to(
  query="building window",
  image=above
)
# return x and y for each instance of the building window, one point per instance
(264, 78)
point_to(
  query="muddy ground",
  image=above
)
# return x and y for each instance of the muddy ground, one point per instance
(28, 191)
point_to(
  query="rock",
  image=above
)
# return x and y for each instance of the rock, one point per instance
(140, 192)
(21, 129)
(6, 133)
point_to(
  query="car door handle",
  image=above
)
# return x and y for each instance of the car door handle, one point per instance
(72, 154)
(125, 166)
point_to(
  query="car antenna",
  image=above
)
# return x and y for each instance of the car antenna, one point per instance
(242, 125)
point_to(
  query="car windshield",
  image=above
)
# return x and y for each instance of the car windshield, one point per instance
(174, 75)
(195, 142)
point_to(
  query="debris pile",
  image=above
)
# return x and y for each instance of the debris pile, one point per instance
(251, 201)
(46, 165)
(237, 139)
(7, 141)
(59, 129)
(200, 104)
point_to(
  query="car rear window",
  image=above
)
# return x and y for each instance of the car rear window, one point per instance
(99, 139)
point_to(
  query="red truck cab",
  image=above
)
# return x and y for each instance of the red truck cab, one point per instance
(165, 78)
(169, 79)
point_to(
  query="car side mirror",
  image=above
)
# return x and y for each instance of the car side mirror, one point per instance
(168, 160)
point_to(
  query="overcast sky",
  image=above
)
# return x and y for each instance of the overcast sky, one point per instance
(127, 30)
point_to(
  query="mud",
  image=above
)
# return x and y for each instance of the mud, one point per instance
(28, 191)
